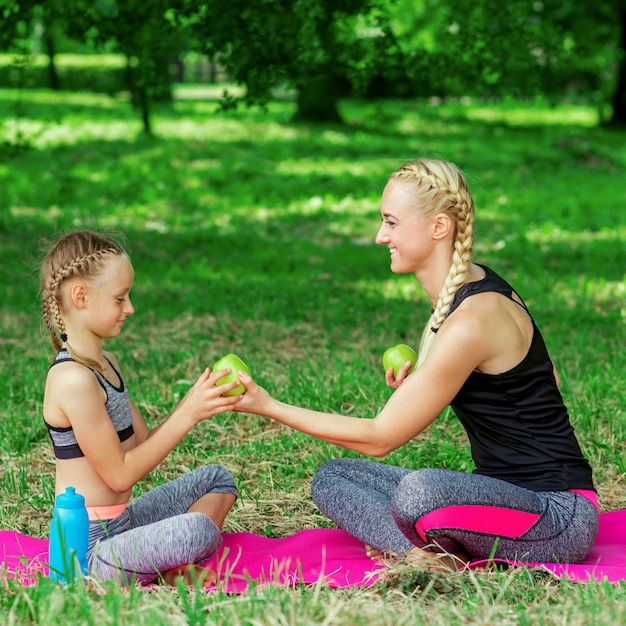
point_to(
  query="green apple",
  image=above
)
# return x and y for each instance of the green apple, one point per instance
(236, 365)
(397, 356)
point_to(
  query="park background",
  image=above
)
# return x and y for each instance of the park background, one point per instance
(240, 149)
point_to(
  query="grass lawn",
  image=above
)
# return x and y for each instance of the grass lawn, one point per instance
(252, 234)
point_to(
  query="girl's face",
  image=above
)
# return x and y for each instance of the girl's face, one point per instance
(404, 230)
(108, 296)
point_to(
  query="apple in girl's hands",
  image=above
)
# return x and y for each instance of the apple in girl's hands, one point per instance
(396, 356)
(236, 365)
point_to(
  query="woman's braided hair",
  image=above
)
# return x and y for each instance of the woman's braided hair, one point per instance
(440, 187)
(77, 254)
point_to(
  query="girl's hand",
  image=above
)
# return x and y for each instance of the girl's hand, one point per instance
(403, 372)
(205, 399)
(255, 399)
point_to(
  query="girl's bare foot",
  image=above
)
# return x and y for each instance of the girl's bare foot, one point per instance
(191, 575)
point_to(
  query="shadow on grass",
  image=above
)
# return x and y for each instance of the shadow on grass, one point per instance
(245, 213)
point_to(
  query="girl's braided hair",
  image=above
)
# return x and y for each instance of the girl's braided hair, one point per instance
(77, 254)
(440, 187)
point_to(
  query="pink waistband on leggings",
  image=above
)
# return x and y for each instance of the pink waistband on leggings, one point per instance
(588, 494)
(105, 512)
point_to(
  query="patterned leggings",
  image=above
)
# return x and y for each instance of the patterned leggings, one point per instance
(156, 533)
(391, 508)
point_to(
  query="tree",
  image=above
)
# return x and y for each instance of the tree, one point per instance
(594, 35)
(309, 45)
(324, 48)
(619, 100)
(16, 19)
(522, 48)
(139, 29)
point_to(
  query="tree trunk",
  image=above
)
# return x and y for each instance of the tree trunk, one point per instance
(144, 103)
(619, 97)
(51, 51)
(131, 82)
(317, 100)
(139, 93)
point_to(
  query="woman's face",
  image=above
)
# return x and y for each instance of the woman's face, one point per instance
(406, 233)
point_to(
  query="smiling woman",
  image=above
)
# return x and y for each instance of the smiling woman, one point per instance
(531, 496)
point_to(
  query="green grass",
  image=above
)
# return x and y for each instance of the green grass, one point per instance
(254, 235)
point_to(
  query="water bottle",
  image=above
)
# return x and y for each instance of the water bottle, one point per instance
(69, 536)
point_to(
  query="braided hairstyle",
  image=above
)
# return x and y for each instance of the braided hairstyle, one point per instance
(439, 187)
(77, 254)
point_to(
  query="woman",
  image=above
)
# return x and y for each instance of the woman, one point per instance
(531, 496)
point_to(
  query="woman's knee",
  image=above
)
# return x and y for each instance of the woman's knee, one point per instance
(415, 494)
(325, 477)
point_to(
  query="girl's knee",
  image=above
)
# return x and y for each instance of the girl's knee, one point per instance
(217, 479)
(202, 532)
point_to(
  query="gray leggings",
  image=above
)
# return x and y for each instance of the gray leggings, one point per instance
(391, 508)
(156, 533)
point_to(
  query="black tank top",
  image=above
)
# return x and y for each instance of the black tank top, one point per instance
(518, 426)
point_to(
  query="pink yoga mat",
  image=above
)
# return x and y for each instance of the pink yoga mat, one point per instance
(607, 559)
(331, 556)
(324, 555)
(309, 556)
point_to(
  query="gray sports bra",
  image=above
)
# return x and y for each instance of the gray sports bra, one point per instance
(117, 406)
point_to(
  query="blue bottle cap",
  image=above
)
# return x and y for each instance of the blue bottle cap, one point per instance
(70, 499)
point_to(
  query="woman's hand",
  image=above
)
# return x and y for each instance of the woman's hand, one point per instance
(255, 399)
(403, 372)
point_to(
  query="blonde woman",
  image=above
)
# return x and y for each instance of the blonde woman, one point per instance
(531, 495)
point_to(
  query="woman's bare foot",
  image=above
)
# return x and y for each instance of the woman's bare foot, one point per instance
(439, 561)
(375, 553)
(191, 575)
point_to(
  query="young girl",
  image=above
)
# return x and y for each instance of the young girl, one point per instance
(531, 495)
(102, 444)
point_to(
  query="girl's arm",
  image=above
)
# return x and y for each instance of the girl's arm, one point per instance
(82, 402)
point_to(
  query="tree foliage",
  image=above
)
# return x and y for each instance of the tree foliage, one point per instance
(325, 48)
(312, 45)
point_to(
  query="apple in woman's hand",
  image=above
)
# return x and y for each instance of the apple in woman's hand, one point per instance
(236, 365)
(397, 356)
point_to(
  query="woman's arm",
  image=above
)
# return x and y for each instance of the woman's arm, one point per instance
(410, 409)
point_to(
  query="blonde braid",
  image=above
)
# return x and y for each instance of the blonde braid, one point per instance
(78, 254)
(441, 188)
(460, 268)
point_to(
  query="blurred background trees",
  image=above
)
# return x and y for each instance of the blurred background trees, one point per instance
(321, 50)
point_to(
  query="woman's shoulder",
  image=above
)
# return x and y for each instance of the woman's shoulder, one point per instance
(493, 328)
(487, 312)
(487, 304)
